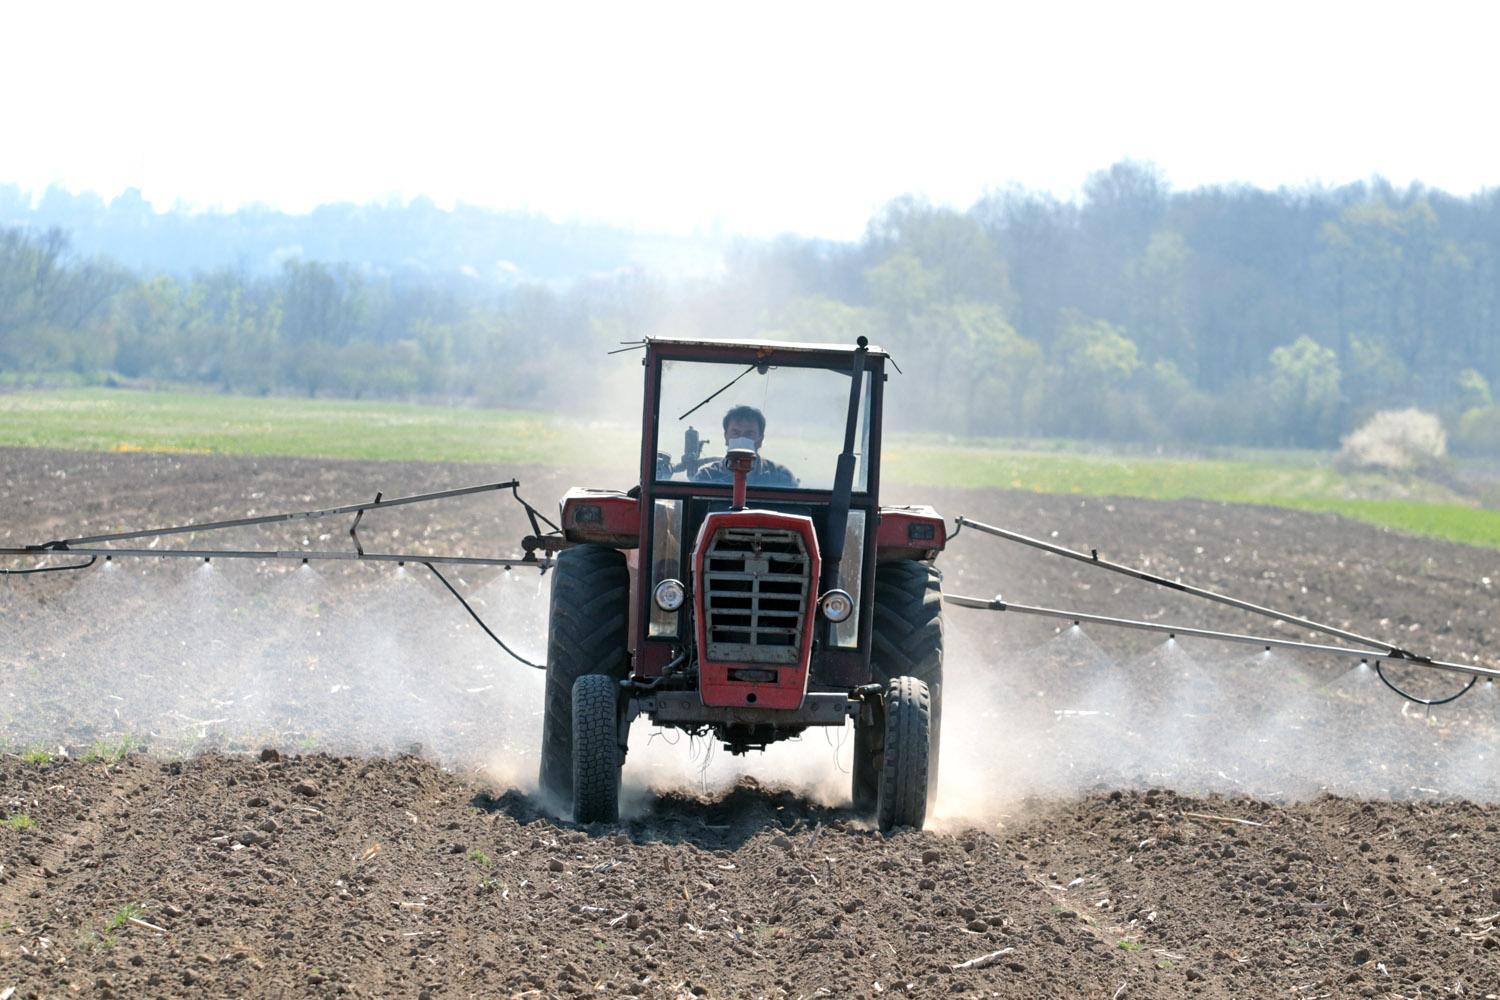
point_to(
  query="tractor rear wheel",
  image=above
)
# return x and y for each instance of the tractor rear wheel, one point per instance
(907, 642)
(586, 634)
(597, 754)
(906, 756)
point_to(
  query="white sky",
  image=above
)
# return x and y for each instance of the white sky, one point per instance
(756, 118)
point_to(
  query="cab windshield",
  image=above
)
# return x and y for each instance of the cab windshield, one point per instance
(797, 412)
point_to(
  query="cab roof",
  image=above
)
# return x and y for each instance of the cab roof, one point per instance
(778, 346)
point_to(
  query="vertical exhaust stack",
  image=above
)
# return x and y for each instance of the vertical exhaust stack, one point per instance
(739, 461)
(843, 479)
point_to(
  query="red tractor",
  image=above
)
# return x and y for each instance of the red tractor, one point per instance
(747, 598)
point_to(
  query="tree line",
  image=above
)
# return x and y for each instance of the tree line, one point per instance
(1132, 313)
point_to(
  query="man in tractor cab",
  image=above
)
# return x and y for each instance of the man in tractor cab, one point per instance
(747, 423)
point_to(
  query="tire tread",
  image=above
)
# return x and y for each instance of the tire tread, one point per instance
(904, 771)
(596, 749)
(588, 618)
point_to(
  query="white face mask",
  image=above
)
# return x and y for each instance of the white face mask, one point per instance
(746, 444)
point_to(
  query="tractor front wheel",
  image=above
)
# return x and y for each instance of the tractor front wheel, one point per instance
(597, 754)
(905, 758)
(908, 642)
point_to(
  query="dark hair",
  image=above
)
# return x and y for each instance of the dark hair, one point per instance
(746, 413)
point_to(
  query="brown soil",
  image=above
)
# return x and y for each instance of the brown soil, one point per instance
(305, 874)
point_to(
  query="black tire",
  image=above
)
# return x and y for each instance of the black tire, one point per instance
(904, 768)
(907, 641)
(597, 754)
(586, 634)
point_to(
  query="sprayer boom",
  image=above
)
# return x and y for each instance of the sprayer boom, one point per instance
(94, 545)
(1268, 642)
(1377, 651)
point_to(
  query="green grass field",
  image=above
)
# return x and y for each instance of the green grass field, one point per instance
(119, 420)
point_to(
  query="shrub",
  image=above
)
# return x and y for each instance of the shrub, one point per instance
(1396, 441)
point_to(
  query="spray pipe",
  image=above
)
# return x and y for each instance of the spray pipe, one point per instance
(92, 547)
(1268, 642)
(1385, 651)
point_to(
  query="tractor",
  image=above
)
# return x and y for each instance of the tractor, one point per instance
(748, 597)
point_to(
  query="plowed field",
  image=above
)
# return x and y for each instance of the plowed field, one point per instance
(207, 794)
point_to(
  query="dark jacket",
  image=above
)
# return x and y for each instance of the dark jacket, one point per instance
(762, 473)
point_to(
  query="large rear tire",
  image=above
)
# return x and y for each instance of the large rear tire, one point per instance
(907, 641)
(906, 757)
(586, 634)
(597, 754)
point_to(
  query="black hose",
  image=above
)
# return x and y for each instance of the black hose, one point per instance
(1429, 702)
(475, 615)
(49, 569)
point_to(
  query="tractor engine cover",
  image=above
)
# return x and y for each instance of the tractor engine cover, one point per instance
(755, 575)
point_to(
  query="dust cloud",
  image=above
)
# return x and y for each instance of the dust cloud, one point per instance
(182, 658)
(1067, 718)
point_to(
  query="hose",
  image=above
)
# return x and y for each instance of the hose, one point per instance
(480, 621)
(1429, 702)
(49, 569)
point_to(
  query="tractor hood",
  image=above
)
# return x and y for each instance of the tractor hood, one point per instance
(755, 580)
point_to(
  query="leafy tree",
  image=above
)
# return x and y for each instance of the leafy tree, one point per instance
(953, 248)
(901, 286)
(1098, 353)
(1158, 288)
(1091, 364)
(1304, 391)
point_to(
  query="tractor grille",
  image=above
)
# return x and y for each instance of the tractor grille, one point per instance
(755, 595)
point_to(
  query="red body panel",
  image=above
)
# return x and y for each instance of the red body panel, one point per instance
(790, 687)
(909, 533)
(603, 517)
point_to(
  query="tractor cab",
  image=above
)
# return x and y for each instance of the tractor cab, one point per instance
(761, 582)
(736, 591)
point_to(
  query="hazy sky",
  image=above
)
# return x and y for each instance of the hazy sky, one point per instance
(758, 117)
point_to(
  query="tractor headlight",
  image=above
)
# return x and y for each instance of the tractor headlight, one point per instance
(837, 605)
(669, 595)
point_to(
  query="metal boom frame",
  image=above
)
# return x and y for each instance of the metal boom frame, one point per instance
(92, 545)
(1378, 650)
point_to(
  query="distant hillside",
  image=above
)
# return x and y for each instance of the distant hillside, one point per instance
(417, 239)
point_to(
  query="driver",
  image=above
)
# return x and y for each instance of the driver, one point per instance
(747, 422)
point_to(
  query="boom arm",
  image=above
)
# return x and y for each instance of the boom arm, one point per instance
(1377, 650)
(93, 545)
